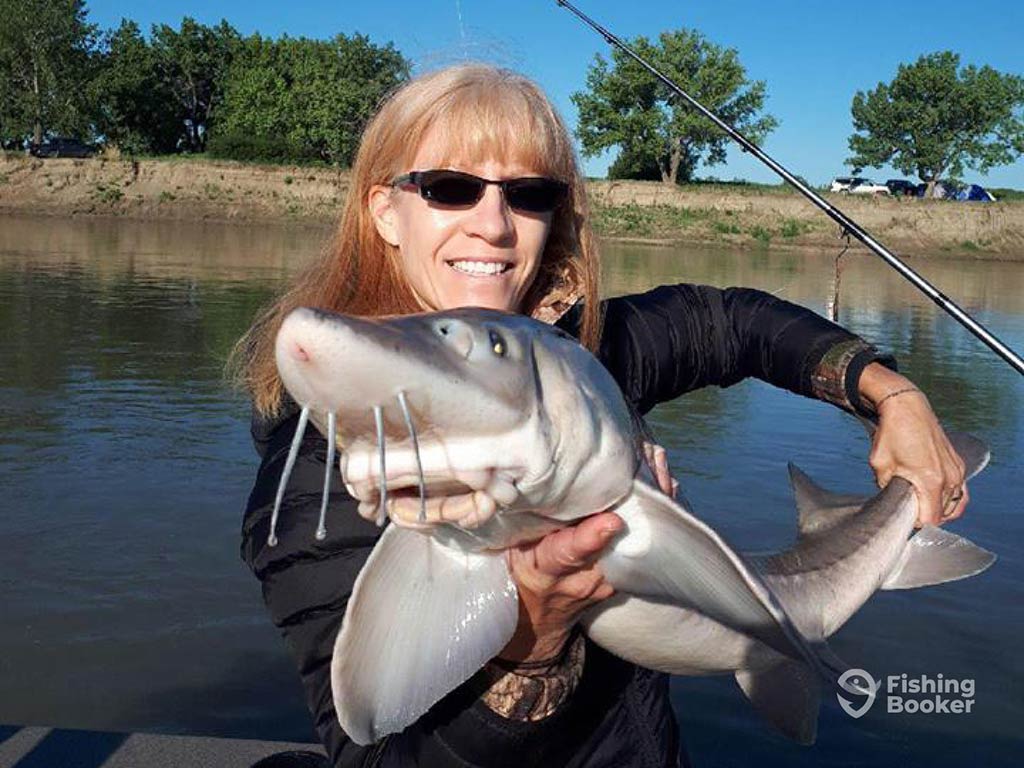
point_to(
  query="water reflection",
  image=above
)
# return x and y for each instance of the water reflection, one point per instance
(125, 462)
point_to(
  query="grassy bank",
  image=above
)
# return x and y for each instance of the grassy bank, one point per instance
(728, 214)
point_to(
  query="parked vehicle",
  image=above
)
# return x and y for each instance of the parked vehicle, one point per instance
(62, 147)
(843, 183)
(902, 187)
(868, 187)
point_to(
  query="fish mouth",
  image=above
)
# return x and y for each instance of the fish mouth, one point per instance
(466, 498)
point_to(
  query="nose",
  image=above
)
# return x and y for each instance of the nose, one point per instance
(491, 218)
(455, 333)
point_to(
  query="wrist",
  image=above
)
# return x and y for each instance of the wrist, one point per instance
(528, 647)
(534, 690)
(879, 387)
(837, 375)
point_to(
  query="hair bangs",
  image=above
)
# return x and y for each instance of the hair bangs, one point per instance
(487, 120)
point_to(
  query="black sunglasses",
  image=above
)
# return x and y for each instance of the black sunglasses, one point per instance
(533, 194)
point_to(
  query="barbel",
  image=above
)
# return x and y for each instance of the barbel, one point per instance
(847, 224)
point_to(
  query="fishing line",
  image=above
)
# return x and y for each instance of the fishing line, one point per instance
(837, 276)
(462, 28)
(844, 221)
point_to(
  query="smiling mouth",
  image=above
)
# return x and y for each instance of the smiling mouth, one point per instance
(480, 268)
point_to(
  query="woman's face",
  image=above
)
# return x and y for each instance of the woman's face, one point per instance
(484, 255)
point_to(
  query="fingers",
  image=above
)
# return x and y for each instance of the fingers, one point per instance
(941, 487)
(657, 460)
(911, 443)
(955, 505)
(571, 549)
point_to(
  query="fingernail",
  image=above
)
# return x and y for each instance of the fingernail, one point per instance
(611, 529)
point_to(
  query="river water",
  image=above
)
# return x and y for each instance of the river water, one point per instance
(125, 463)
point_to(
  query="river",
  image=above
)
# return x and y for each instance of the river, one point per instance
(125, 462)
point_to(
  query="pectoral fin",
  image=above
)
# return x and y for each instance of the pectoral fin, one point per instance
(666, 553)
(935, 556)
(423, 618)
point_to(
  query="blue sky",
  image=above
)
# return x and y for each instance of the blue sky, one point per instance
(813, 55)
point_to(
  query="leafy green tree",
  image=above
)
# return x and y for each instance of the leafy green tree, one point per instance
(136, 109)
(935, 119)
(193, 62)
(305, 98)
(46, 60)
(657, 134)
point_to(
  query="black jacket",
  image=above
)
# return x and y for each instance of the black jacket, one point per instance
(657, 345)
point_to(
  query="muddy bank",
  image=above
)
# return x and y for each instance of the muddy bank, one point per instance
(196, 189)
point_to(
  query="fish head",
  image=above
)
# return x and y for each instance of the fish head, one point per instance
(462, 370)
(480, 405)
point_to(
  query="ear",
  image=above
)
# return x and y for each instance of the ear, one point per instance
(385, 217)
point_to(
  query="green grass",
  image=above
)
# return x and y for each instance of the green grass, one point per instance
(633, 220)
(761, 234)
(726, 227)
(794, 228)
(970, 245)
(107, 195)
(1005, 193)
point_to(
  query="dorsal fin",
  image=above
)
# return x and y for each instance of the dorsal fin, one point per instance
(818, 509)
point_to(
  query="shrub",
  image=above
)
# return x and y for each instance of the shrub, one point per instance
(260, 149)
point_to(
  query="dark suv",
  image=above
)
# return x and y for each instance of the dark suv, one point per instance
(902, 187)
(62, 148)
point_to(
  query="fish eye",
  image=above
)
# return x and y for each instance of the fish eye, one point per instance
(498, 344)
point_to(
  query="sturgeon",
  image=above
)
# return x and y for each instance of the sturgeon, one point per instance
(507, 428)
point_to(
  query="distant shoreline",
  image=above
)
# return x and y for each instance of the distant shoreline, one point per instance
(196, 189)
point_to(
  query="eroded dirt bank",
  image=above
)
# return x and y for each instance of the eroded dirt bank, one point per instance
(197, 189)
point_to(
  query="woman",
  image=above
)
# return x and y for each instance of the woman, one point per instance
(509, 231)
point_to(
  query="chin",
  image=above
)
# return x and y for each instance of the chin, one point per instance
(486, 301)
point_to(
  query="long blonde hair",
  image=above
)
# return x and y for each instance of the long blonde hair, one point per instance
(487, 112)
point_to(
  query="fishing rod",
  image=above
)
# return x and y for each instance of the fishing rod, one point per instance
(848, 225)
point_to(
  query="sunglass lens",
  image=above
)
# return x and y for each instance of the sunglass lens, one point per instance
(451, 188)
(534, 195)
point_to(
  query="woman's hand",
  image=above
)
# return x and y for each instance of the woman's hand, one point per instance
(558, 577)
(910, 443)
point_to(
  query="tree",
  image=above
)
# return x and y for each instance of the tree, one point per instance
(935, 119)
(46, 59)
(657, 133)
(307, 98)
(193, 62)
(135, 106)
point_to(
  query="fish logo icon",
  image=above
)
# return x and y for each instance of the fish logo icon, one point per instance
(860, 682)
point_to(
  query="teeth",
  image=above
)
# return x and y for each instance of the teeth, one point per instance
(480, 267)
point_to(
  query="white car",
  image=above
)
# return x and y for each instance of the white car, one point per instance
(868, 187)
(843, 183)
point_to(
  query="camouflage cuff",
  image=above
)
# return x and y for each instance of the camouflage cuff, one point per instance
(836, 377)
(533, 691)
